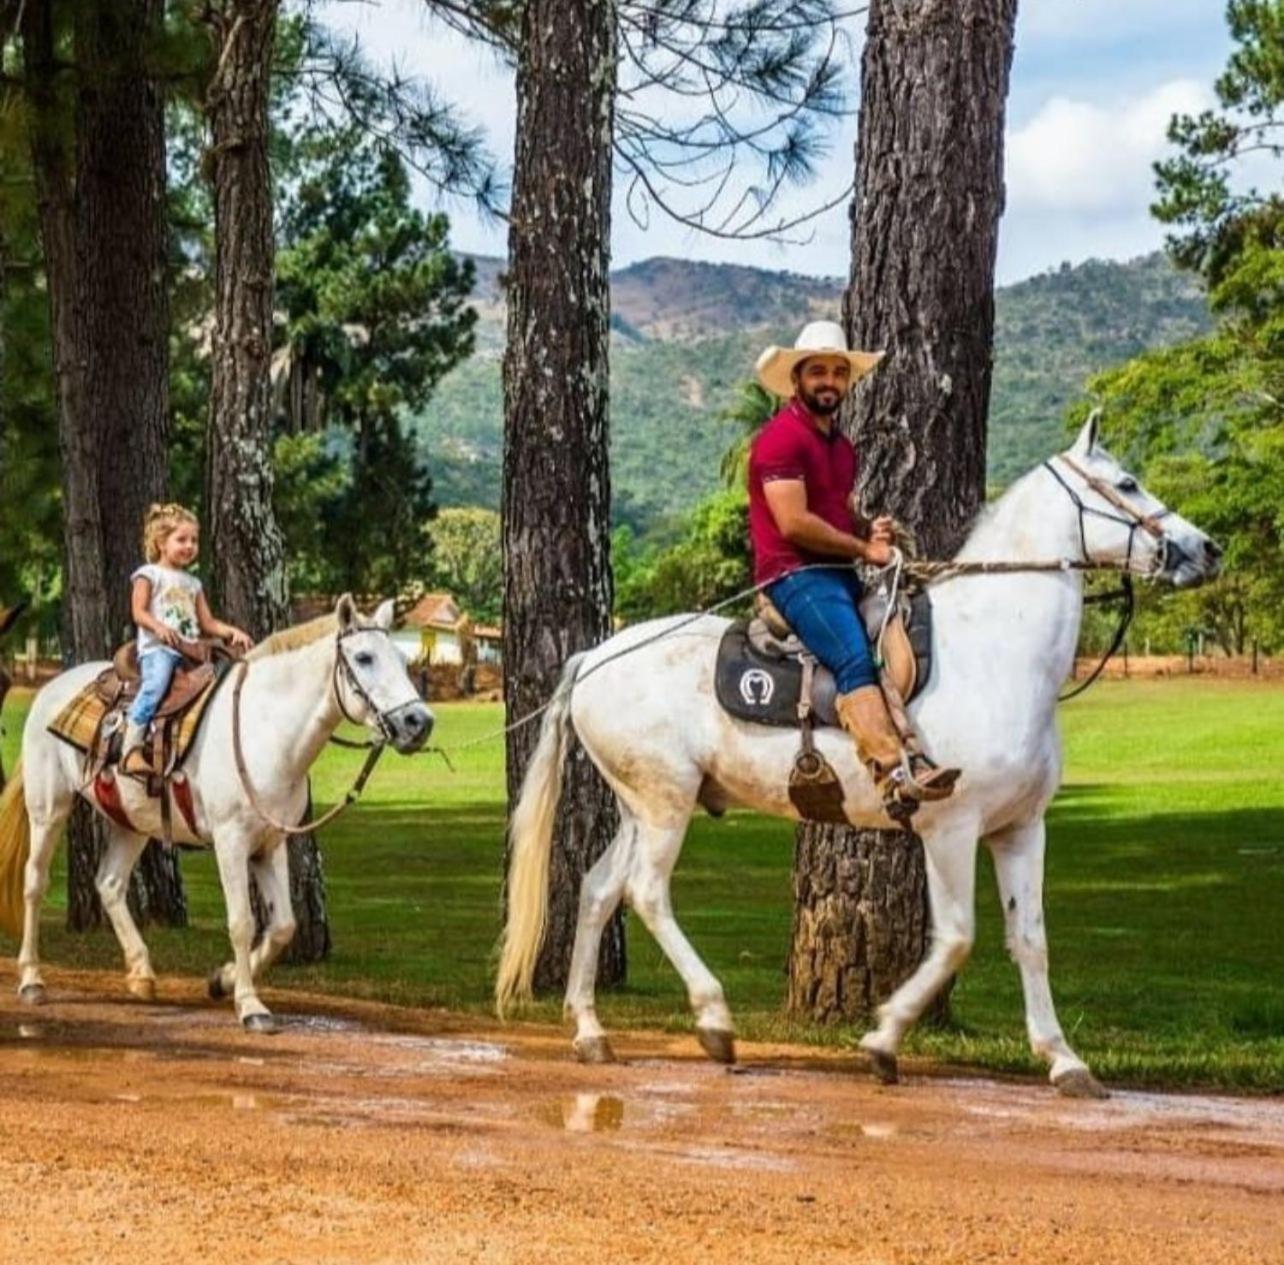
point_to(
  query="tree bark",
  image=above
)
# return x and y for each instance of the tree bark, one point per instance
(556, 498)
(925, 213)
(244, 547)
(104, 238)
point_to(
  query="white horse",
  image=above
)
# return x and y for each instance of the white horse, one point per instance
(1003, 645)
(299, 684)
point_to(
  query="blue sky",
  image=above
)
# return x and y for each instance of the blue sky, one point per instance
(1093, 85)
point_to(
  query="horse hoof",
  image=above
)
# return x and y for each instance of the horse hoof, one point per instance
(1078, 1082)
(33, 995)
(718, 1044)
(214, 985)
(884, 1067)
(264, 1024)
(594, 1050)
(142, 989)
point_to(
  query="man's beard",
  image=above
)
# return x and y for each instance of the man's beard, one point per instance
(822, 408)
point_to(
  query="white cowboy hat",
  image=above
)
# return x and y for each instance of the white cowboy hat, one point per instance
(821, 338)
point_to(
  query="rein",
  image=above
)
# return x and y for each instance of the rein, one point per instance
(375, 747)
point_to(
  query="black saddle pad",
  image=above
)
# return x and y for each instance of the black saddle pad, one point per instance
(764, 688)
(754, 686)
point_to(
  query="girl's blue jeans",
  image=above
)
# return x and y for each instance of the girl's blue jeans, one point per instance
(820, 606)
(156, 668)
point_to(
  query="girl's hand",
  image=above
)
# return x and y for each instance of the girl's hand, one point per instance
(240, 639)
(168, 636)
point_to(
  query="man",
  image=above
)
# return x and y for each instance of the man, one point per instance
(802, 476)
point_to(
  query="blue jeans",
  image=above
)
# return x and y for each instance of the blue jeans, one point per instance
(156, 668)
(820, 606)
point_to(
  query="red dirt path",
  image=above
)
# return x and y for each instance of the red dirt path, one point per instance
(162, 1133)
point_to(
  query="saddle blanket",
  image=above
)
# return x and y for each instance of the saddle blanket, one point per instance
(80, 720)
(761, 682)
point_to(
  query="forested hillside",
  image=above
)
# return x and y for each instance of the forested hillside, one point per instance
(687, 333)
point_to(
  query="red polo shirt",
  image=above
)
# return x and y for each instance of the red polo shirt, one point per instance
(791, 446)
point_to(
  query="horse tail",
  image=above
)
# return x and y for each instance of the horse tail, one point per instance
(531, 845)
(15, 845)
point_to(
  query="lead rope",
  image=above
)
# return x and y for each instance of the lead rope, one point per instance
(926, 572)
(376, 750)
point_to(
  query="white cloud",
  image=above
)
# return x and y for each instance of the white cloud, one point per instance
(1095, 157)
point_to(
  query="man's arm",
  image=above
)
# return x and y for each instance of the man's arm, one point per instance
(787, 501)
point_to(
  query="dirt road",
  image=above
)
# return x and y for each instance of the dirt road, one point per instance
(161, 1133)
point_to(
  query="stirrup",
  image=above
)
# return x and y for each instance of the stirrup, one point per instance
(141, 768)
(927, 780)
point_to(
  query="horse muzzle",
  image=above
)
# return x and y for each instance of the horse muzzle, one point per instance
(409, 727)
(1188, 568)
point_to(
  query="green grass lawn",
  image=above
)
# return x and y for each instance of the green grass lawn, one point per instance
(1165, 894)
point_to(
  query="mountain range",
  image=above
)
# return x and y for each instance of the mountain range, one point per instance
(685, 334)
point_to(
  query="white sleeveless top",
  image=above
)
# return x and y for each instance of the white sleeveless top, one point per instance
(173, 602)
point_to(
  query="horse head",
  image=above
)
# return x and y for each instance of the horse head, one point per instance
(371, 678)
(1120, 522)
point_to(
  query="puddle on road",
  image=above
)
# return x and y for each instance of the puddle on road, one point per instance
(744, 1161)
(445, 1049)
(878, 1130)
(584, 1113)
(318, 1023)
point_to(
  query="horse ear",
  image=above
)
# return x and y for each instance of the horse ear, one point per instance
(1087, 439)
(384, 615)
(345, 610)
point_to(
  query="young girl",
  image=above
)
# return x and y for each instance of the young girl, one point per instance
(169, 607)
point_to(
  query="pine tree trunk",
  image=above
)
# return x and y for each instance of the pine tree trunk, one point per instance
(243, 544)
(105, 252)
(556, 502)
(929, 194)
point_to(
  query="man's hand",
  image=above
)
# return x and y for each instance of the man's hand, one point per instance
(883, 529)
(878, 553)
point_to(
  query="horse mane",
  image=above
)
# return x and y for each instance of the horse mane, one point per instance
(295, 637)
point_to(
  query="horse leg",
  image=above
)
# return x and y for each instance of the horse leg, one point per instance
(124, 847)
(600, 893)
(950, 852)
(1018, 863)
(654, 857)
(272, 874)
(233, 853)
(46, 829)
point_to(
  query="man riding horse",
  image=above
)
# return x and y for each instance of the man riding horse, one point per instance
(806, 535)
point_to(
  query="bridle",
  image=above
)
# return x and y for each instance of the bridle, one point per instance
(343, 672)
(1128, 516)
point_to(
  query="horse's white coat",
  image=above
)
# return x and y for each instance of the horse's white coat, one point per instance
(1004, 645)
(289, 709)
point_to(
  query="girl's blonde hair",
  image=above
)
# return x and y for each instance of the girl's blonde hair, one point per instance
(159, 521)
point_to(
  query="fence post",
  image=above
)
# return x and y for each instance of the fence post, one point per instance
(1125, 658)
(1254, 656)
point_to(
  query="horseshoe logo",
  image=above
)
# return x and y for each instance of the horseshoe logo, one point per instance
(757, 687)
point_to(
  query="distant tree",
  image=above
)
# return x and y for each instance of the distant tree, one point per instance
(467, 559)
(752, 409)
(1205, 418)
(375, 315)
(708, 564)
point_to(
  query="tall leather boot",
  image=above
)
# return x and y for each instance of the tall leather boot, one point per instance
(930, 780)
(865, 716)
